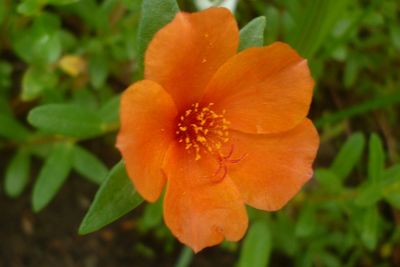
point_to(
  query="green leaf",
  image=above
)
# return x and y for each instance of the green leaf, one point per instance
(52, 175)
(329, 180)
(283, 231)
(5, 109)
(315, 23)
(154, 15)
(31, 7)
(391, 182)
(257, 246)
(41, 43)
(66, 119)
(10, 128)
(374, 103)
(5, 75)
(376, 158)
(273, 29)
(62, 2)
(348, 156)
(351, 71)
(369, 194)
(185, 257)
(152, 215)
(115, 198)
(98, 69)
(306, 222)
(110, 111)
(252, 35)
(35, 80)
(369, 232)
(394, 31)
(4, 8)
(88, 165)
(17, 173)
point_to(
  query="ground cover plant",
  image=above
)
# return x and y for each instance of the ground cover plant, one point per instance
(63, 67)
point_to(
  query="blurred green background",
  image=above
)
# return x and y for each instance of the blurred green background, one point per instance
(72, 59)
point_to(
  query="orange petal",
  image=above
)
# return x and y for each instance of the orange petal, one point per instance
(275, 166)
(199, 211)
(183, 56)
(263, 90)
(147, 113)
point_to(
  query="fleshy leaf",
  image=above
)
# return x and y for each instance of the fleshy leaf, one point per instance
(12, 129)
(392, 185)
(35, 80)
(314, 23)
(17, 173)
(348, 156)
(154, 15)
(370, 228)
(109, 112)
(376, 158)
(328, 180)
(67, 119)
(252, 34)
(62, 2)
(115, 198)
(88, 165)
(52, 175)
(257, 246)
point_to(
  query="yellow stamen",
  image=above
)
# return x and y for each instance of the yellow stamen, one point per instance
(202, 130)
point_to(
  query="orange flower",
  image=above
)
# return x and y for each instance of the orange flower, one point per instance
(220, 129)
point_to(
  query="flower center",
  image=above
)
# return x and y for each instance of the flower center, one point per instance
(202, 130)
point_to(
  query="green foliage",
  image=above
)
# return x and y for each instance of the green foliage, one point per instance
(376, 159)
(252, 34)
(40, 43)
(312, 29)
(17, 173)
(348, 156)
(69, 120)
(52, 175)
(115, 198)
(88, 165)
(257, 246)
(154, 15)
(64, 115)
(36, 79)
(12, 129)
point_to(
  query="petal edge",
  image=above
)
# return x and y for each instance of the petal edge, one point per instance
(145, 103)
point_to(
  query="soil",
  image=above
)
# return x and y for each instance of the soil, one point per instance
(50, 239)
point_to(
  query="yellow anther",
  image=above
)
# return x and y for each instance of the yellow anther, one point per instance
(201, 139)
(188, 146)
(202, 130)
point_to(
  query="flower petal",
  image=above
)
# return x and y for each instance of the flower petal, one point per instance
(263, 90)
(183, 56)
(198, 210)
(147, 114)
(274, 167)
